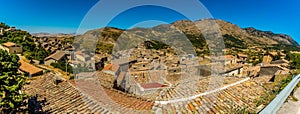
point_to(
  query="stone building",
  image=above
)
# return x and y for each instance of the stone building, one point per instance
(58, 56)
(12, 48)
(1, 31)
(29, 69)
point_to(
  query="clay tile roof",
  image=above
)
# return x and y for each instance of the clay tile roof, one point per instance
(153, 85)
(26, 67)
(9, 44)
(107, 67)
(115, 67)
(56, 56)
(111, 67)
(229, 56)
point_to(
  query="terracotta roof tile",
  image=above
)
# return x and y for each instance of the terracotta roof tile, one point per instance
(107, 67)
(229, 56)
(26, 67)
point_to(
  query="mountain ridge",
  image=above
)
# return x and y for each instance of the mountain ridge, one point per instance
(233, 35)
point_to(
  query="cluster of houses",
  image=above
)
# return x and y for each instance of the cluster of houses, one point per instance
(60, 53)
(28, 69)
(140, 61)
(137, 71)
(268, 66)
(73, 58)
(142, 71)
(53, 44)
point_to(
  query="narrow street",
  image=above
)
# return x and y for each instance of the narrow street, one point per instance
(291, 107)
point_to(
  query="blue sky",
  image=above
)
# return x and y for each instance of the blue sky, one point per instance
(64, 16)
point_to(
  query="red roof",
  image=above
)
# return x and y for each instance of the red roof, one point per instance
(107, 67)
(229, 56)
(153, 85)
(112, 67)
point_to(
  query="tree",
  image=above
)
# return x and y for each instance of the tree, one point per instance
(80, 68)
(294, 60)
(30, 50)
(11, 82)
(3, 25)
(62, 65)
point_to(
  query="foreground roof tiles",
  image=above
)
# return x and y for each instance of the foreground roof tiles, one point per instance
(67, 98)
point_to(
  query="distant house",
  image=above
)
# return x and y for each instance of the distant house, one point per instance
(1, 31)
(12, 48)
(230, 59)
(268, 70)
(29, 69)
(58, 56)
(242, 57)
(80, 56)
(113, 69)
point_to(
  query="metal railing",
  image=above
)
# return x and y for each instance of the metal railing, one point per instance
(277, 102)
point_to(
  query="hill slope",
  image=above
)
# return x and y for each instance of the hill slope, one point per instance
(233, 35)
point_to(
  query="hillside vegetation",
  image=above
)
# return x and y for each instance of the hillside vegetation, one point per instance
(30, 50)
(233, 36)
